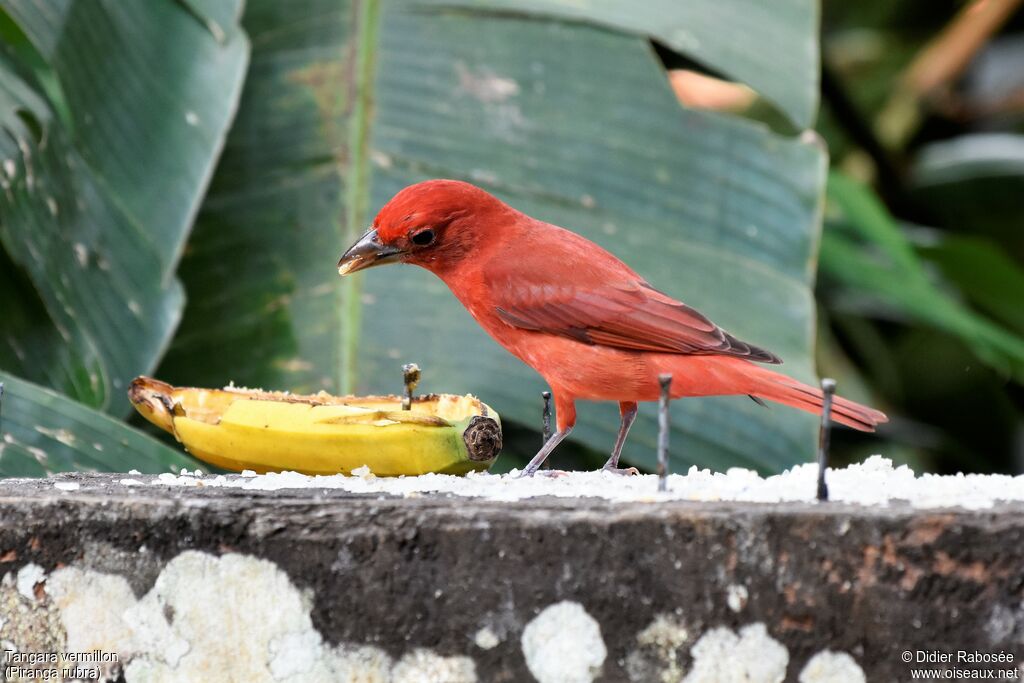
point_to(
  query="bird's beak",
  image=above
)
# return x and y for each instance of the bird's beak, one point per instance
(368, 251)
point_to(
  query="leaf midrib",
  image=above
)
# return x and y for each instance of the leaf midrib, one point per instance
(357, 187)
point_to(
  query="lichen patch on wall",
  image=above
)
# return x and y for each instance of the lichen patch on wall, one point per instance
(232, 617)
(95, 610)
(486, 638)
(423, 665)
(659, 655)
(832, 667)
(236, 617)
(563, 644)
(723, 656)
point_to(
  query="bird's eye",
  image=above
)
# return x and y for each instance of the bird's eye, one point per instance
(423, 238)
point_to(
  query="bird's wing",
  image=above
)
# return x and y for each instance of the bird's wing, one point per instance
(621, 312)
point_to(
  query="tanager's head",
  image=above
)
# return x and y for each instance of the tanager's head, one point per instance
(435, 224)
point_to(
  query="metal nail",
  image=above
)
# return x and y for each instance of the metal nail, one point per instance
(411, 377)
(666, 385)
(828, 390)
(546, 417)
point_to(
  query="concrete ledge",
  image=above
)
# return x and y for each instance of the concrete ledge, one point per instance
(190, 583)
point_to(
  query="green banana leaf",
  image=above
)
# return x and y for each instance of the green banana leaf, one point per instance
(43, 432)
(346, 103)
(730, 36)
(112, 115)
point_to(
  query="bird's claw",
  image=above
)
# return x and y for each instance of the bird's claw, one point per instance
(543, 473)
(625, 471)
(553, 473)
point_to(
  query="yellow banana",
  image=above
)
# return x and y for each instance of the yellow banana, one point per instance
(265, 431)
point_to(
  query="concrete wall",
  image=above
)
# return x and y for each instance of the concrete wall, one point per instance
(205, 584)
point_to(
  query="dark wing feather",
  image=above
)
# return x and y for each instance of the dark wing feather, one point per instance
(631, 315)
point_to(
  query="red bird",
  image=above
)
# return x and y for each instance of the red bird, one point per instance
(583, 319)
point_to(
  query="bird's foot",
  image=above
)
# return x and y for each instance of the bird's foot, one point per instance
(626, 471)
(543, 473)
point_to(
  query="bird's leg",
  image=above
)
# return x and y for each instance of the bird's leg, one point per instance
(628, 410)
(545, 451)
(565, 414)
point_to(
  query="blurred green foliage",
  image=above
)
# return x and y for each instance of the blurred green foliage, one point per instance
(922, 290)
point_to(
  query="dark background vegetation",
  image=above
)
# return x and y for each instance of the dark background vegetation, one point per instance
(924, 101)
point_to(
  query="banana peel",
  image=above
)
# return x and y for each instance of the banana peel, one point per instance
(266, 431)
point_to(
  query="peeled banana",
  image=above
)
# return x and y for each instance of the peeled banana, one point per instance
(240, 429)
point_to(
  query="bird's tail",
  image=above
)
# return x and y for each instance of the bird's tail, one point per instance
(773, 386)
